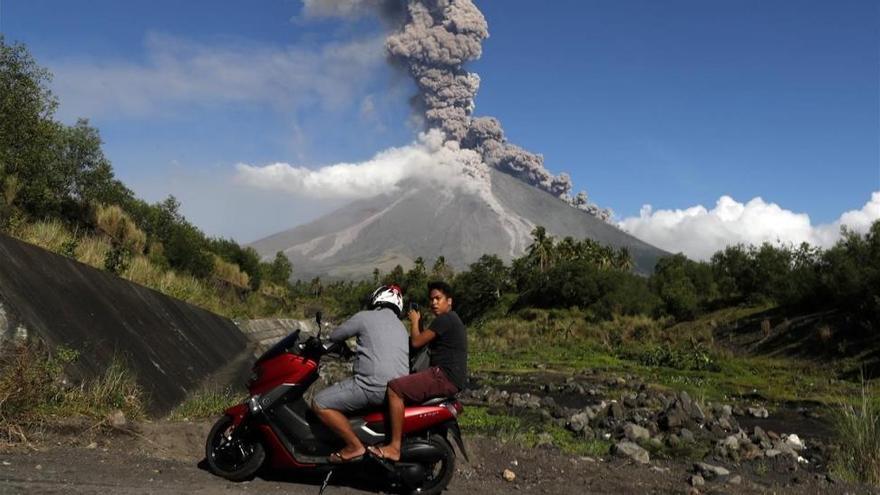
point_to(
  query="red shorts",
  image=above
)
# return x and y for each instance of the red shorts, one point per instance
(421, 386)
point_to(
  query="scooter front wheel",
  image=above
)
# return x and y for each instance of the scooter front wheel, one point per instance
(233, 453)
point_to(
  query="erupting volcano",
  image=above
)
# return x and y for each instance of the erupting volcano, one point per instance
(471, 193)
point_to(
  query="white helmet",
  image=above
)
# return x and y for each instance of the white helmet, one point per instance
(387, 296)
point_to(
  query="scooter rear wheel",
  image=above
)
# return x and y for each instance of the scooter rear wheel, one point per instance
(437, 474)
(235, 454)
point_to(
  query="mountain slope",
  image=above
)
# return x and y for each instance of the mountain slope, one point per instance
(460, 224)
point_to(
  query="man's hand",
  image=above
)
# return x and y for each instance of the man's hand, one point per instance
(414, 316)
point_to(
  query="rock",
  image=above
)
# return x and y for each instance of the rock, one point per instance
(686, 436)
(761, 438)
(92, 445)
(794, 442)
(508, 475)
(615, 411)
(758, 412)
(735, 480)
(579, 422)
(784, 448)
(750, 451)
(673, 418)
(633, 451)
(635, 432)
(771, 453)
(697, 480)
(726, 411)
(710, 471)
(730, 443)
(116, 419)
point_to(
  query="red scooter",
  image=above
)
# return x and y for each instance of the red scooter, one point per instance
(276, 428)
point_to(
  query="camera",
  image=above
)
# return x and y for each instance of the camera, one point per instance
(413, 306)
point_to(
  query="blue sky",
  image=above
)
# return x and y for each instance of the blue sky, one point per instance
(673, 104)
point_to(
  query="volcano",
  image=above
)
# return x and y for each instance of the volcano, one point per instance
(429, 221)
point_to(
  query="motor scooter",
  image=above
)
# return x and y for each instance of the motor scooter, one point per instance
(275, 428)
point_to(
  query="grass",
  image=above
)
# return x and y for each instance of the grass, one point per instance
(858, 431)
(682, 357)
(206, 404)
(34, 388)
(528, 431)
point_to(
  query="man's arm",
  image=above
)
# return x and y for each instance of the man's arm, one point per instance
(349, 328)
(418, 338)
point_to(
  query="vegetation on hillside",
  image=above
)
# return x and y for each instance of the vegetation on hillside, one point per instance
(58, 190)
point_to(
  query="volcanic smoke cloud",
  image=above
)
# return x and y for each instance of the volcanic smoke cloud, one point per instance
(435, 38)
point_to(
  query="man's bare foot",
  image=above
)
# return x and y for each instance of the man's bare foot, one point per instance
(385, 452)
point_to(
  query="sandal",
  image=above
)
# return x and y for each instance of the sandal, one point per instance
(336, 458)
(378, 453)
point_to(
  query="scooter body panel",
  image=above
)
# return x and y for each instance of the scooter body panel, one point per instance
(286, 368)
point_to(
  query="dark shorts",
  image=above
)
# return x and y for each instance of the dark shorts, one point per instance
(421, 386)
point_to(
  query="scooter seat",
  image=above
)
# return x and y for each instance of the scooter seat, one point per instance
(436, 400)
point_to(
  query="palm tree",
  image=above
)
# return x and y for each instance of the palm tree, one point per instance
(541, 250)
(441, 270)
(623, 261)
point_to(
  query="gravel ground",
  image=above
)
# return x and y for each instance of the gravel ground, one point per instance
(166, 457)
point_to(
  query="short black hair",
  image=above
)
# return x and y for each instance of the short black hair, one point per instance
(442, 286)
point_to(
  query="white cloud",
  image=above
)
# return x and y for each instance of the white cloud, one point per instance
(428, 158)
(699, 232)
(183, 72)
(338, 8)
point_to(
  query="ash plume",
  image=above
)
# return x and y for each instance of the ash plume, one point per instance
(433, 41)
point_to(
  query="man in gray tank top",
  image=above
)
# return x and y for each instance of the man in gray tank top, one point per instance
(382, 355)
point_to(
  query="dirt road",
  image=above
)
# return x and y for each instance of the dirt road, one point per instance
(165, 457)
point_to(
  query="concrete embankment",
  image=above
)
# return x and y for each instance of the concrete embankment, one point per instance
(171, 346)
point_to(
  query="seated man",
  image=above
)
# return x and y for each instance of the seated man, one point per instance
(446, 338)
(382, 354)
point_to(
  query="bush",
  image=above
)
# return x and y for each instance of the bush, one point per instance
(693, 358)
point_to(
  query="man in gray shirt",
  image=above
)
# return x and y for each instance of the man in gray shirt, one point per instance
(382, 355)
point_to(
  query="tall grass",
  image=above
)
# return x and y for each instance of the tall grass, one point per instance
(858, 431)
(34, 387)
(207, 404)
(51, 235)
(92, 251)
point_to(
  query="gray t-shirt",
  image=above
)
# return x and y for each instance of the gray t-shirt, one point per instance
(382, 347)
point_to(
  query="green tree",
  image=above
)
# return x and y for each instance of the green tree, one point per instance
(27, 106)
(479, 289)
(279, 270)
(672, 283)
